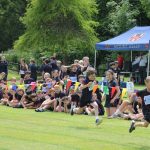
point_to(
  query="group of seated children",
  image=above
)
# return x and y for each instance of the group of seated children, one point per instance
(62, 94)
(55, 94)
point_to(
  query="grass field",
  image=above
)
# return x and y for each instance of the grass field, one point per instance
(22, 129)
(27, 130)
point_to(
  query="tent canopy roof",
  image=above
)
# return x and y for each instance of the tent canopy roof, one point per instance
(136, 39)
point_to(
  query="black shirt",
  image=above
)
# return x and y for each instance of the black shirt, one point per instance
(145, 96)
(86, 93)
(59, 95)
(28, 81)
(111, 84)
(33, 69)
(18, 96)
(47, 68)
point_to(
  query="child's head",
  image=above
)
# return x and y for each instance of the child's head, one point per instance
(63, 68)
(48, 80)
(81, 78)
(74, 68)
(46, 75)
(147, 82)
(13, 80)
(109, 75)
(20, 91)
(55, 73)
(76, 61)
(59, 63)
(51, 91)
(91, 75)
(112, 65)
(66, 77)
(32, 61)
(80, 62)
(57, 89)
(39, 93)
(22, 60)
(85, 61)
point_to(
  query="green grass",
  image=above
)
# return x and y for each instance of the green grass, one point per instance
(13, 74)
(27, 130)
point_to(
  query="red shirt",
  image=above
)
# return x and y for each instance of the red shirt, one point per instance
(120, 61)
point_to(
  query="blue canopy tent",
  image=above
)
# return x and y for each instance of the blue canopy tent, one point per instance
(136, 39)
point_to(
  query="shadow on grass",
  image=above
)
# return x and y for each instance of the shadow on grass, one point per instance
(144, 148)
(138, 147)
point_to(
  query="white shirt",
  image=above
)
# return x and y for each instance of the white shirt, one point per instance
(136, 61)
(143, 61)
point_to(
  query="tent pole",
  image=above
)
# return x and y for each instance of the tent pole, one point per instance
(95, 60)
(131, 56)
(148, 63)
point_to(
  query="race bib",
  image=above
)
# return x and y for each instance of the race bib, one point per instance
(130, 87)
(147, 100)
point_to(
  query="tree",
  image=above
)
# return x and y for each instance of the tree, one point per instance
(11, 26)
(146, 6)
(122, 16)
(58, 25)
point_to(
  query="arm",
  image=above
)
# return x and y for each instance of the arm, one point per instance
(85, 86)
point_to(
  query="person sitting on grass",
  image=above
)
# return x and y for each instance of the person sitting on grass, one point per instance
(58, 107)
(5, 96)
(28, 98)
(137, 117)
(86, 96)
(144, 99)
(74, 97)
(13, 84)
(27, 78)
(48, 103)
(15, 102)
(130, 105)
(91, 111)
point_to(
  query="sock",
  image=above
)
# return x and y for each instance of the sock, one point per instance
(75, 110)
(97, 117)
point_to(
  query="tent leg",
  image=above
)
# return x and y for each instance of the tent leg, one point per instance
(131, 56)
(95, 60)
(148, 63)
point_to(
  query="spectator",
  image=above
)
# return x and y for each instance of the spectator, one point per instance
(120, 60)
(33, 69)
(23, 67)
(142, 68)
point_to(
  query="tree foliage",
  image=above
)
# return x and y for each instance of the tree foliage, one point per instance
(122, 16)
(58, 24)
(10, 25)
(146, 6)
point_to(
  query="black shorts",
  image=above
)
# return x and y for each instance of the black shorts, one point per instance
(147, 116)
(84, 103)
(108, 104)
